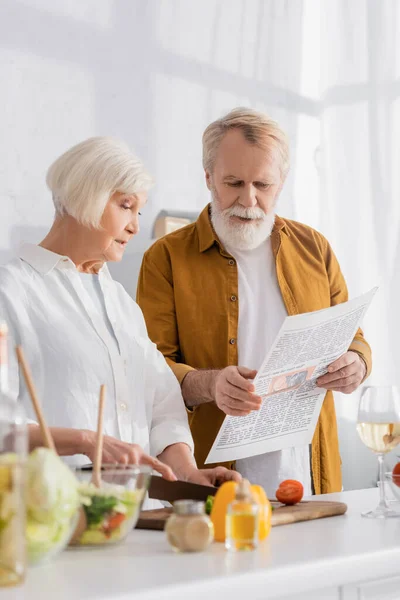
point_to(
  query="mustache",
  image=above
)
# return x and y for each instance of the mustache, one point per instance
(254, 213)
(246, 213)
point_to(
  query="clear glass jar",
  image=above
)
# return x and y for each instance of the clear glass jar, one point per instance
(189, 529)
(13, 449)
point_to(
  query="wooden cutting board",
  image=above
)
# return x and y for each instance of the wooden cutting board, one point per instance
(281, 515)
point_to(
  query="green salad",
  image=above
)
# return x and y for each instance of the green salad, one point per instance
(209, 504)
(52, 504)
(111, 512)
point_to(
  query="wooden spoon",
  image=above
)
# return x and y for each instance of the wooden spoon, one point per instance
(96, 473)
(46, 434)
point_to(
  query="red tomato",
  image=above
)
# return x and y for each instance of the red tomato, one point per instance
(396, 474)
(290, 492)
(113, 522)
(116, 520)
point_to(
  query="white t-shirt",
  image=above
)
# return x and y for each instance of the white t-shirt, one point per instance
(261, 313)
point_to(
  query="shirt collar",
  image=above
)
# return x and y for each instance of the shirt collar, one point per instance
(205, 231)
(208, 237)
(40, 259)
(44, 261)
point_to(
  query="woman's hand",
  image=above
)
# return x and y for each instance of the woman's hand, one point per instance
(213, 477)
(180, 457)
(116, 451)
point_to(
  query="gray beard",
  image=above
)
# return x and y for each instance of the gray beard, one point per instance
(241, 236)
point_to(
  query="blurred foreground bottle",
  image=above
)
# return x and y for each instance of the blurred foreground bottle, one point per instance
(13, 449)
(242, 520)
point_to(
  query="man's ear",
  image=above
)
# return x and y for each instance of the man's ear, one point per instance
(208, 179)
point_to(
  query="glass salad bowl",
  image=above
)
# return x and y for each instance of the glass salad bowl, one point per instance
(111, 511)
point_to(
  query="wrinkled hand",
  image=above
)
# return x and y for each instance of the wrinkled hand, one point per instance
(212, 477)
(118, 452)
(233, 393)
(345, 374)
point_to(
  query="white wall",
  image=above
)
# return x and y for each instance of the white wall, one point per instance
(156, 72)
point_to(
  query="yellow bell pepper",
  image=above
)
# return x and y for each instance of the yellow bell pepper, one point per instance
(225, 495)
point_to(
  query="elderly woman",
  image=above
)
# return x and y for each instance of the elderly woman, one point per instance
(80, 329)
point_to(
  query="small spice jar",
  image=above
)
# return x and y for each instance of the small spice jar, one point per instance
(189, 529)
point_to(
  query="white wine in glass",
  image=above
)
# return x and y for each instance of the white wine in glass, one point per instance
(379, 429)
(381, 438)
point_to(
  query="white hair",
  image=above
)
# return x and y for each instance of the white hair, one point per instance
(258, 129)
(84, 178)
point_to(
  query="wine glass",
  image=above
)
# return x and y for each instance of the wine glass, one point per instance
(378, 426)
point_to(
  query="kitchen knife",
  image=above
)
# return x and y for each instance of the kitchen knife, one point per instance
(161, 489)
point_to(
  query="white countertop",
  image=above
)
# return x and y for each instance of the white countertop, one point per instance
(295, 558)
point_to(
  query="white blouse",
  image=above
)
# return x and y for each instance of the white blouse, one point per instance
(71, 352)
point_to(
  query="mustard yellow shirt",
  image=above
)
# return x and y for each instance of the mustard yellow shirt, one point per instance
(188, 291)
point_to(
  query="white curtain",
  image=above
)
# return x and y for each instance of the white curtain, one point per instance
(359, 163)
(351, 189)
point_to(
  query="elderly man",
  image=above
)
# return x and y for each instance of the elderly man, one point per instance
(215, 293)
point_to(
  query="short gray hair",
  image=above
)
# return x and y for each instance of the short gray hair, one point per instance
(258, 129)
(83, 179)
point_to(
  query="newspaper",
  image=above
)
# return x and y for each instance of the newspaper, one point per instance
(305, 346)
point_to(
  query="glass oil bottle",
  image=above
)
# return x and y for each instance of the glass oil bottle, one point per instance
(242, 520)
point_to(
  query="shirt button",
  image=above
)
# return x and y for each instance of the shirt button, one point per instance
(232, 341)
(123, 406)
(231, 262)
(233, 298)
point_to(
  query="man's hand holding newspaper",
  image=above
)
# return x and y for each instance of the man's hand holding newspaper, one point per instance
(345, 374)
